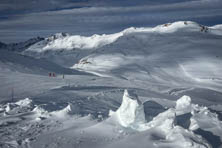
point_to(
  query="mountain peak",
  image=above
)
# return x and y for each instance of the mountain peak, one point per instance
(57, 36)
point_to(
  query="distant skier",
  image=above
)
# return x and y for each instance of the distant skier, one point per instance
(63, 76)
(50, 74)
(53, 74)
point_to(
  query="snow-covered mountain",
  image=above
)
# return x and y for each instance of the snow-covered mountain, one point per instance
(13, 61)
(67, 50)
(142, 87)
(182, 49)
(21, 46)
(183, 54)
(65, 41)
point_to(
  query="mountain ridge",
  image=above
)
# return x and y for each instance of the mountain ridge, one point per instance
(62, 41)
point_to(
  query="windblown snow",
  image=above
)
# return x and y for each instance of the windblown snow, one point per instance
(152, 87)
(168, 129)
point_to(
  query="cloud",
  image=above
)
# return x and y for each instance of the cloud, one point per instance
(27, 6)
(106, 17)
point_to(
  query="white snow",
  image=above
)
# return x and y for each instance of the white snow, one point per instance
(8, 108)
(184, 103)
(130, 114)
(103, 63)
(64, 112)
(82, 42)
(168, 64)
(180, 25)
(72, 42)
(217, 29)
(19, 106)
(40, 113)
(206, 120)
(24, 102)
(69, 42)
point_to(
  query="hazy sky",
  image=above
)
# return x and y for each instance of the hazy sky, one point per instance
(24, 19)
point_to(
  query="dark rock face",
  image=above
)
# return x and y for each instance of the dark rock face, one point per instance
(152, 109)
(214, 140)
(19, 47)
(2, 45)
(184, 120)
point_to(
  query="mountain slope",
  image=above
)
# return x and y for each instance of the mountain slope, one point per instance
(67, 50)
(66, 41)
(15, 62)
(21, 46)
(176, 54)
(180, 55)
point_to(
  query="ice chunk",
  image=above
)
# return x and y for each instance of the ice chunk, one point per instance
(8, 108)
(164, 120)
(183, 104)
(19, 106)
(131, 112)
(41, 113)
(24, 102)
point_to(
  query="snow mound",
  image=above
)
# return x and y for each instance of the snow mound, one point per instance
(201, 116)
(41, 113)
(24, 102)
(39, 110)
(175, 135)
(165, 120)
(131, 113)
(58, 114)
(67, 111)
(204, 119)
(20, 106)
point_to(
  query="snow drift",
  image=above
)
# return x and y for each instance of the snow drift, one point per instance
(167, 129)
(20, 106)
(131, 115)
